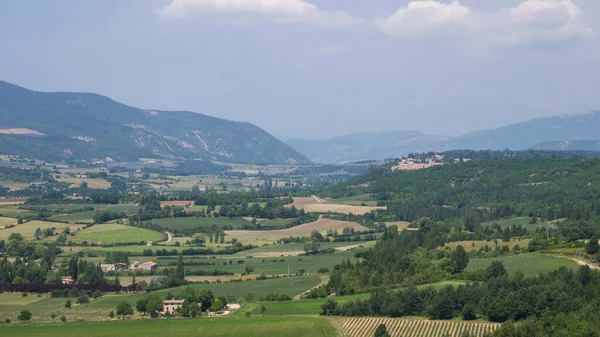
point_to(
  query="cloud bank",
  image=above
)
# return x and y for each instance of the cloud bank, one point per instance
(530, 22)
(285, 11)
(543, 21)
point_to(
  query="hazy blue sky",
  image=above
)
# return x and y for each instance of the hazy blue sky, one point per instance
(313, 69)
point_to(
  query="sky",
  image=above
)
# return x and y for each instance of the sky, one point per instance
(315, 69)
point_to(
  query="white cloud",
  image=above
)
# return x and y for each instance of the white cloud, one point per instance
(530, 22)
(425, 16)
(286, 11)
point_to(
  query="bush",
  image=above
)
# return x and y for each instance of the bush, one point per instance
(53, 316)
(25, 315)
(7, 320)
(83, 299)
(63, 318)
(111, 314)
(68, 304)
(24, 294)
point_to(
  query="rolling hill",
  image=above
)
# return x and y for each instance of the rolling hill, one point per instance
(85, 126)
(568, 132)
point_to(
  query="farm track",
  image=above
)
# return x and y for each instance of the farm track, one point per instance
(401, 327)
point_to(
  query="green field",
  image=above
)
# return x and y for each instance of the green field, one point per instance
(530, 264)
(357, 200)
(28, 228)
(17, 299)
(290, 247)
(270, 265)
(99, 309)
(76, 217)
(297, 307)
(112, 233)
(200, 223)
(222, 327)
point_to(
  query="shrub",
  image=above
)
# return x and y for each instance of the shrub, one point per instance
(24, 315)
(24, 294)
(68, 304)
(53, 316)
(83, 299)
(7, 320)
(63, 318)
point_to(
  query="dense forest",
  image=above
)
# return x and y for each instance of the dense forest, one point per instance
(547, 188)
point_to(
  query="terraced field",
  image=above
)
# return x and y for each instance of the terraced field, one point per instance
(402, 327)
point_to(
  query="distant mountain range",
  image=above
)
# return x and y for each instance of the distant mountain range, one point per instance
(84, 126)
(568, 132)
(570, 145)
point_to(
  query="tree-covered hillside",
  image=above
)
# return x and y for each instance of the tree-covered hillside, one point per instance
(488, 189)
(90, 126)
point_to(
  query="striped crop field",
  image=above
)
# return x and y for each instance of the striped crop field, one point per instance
(401, 327)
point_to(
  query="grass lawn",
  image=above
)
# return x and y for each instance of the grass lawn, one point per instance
(205, 327)
(530, 264)
(110, 233)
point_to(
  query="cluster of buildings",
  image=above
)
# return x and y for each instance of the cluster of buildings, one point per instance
(148, 265)
(419, 163)
(412, 164)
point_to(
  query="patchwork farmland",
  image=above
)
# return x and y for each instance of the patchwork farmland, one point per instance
(400, 327)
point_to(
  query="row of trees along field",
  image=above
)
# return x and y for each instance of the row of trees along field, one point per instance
(484, 190)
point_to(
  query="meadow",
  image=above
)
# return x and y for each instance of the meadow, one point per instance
(276, 265)
(98, 309)
(200, 222)
(529, 264)
(476, 245)
(205, 327)
(7, 221)
(297, 307)
(76, 217)
(28, 228)
(113, 233)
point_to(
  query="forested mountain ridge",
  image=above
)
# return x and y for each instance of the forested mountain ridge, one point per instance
(570, 145)
(573, 129)
(62, 125)
(487, 189)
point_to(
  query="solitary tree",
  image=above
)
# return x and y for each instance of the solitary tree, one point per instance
(124, 309)
(381, 331)
(24, 315)
(263, 309)
(111, 314)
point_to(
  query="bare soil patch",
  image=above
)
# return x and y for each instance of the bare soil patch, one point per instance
(21, 131)
(321, 225)
(315, 204)
(179, 203)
